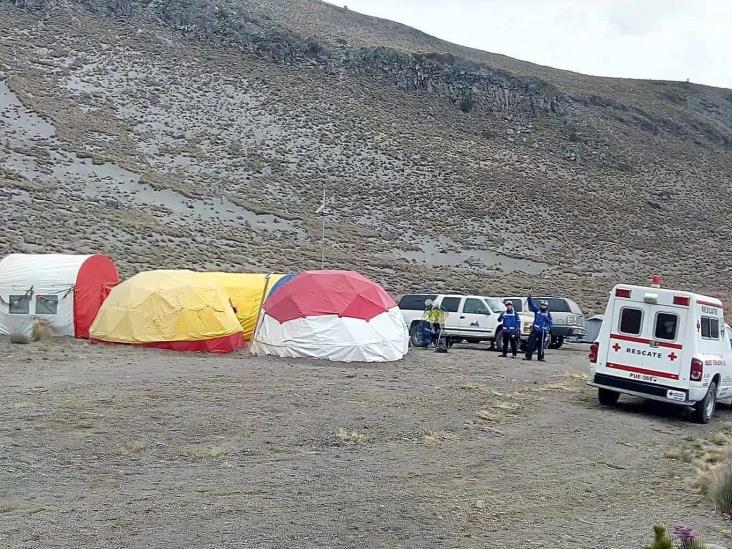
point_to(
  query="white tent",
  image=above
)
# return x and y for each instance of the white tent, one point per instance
(383, 338)
(65, 291)
(332, 315)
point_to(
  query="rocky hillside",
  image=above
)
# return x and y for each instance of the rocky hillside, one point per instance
(201, 133)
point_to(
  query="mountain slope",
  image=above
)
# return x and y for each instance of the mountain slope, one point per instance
(202, 134)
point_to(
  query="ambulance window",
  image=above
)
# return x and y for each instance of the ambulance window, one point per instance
(709, 327)
(631, 321)
(450, 304)
(666, 326)
(19, 305)
(46, 304)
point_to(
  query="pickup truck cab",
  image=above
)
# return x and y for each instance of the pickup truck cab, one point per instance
(470, 318)
(665, 345)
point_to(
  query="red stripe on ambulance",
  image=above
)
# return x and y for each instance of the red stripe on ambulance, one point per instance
(646, 341)
(710, 303)
(641, 370)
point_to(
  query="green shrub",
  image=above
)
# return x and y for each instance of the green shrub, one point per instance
(467, 103)
(662, 539)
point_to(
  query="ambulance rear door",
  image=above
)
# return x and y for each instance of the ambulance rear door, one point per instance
(645, 339)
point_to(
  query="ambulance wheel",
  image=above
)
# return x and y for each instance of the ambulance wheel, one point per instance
(607, 397)
(557, 342)
(704, 409)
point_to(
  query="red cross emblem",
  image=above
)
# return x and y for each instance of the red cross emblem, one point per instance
(616, 347)
(672, 356)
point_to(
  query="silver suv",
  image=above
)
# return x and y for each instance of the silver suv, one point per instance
(569, 320)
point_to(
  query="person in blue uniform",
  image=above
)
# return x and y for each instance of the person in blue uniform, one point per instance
(543, 322)
(511, 329)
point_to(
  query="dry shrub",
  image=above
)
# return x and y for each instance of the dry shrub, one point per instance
(42, 330)
(434, 437)
(719, 489)
(354, 437)
(19, 339)
(132, 447)
(712, 459)
(205, 452)
(488, 416)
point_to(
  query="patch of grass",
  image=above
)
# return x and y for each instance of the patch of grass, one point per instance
(712, 460)
(489, 416)
(719, 489)
(205, 452)
(353, 436)
(563, 387)
(435, 437)
(132, 447)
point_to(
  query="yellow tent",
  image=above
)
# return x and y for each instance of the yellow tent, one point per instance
(181, 310)
(246, 292)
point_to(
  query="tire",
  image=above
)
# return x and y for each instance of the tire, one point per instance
(415, 336)
(704, 409)
(606, 397)
(556, 342)
(498, 342)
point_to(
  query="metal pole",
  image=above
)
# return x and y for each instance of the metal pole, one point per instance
(259, 312)
(322, 241)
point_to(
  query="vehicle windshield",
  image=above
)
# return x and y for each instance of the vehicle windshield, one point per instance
(495, 304)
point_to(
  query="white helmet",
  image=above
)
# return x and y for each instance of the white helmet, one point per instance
(428, 303)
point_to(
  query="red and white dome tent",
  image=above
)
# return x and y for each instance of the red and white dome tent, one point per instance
(335, 315)
(65, 291)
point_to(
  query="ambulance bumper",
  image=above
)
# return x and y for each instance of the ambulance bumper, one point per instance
(642, 395)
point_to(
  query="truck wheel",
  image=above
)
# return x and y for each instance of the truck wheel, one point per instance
(607, 397)
(557, 342)
(704, 409)
(498, 342)
(416, 336)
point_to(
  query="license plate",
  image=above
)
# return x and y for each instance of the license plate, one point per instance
(679, 396)
(642, 377)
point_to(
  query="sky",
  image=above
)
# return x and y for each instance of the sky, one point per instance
(655, 39)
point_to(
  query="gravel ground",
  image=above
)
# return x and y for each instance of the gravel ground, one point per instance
(107, 446)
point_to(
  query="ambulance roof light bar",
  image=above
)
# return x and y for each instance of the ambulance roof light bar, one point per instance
(656, 281)
(622, 292)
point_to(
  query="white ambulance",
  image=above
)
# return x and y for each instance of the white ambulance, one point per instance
(663, 345)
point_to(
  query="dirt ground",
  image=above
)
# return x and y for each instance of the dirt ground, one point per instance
(107, 446)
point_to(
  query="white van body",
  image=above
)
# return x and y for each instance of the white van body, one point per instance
(665, 345)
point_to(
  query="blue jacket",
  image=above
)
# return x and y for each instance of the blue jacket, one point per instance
(543, 320)
(511, 322)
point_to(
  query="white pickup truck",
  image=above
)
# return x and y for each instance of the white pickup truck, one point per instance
(665, 345)
(471, 318)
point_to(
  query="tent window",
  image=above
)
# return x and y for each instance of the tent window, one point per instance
(19, 305)
(46, 304)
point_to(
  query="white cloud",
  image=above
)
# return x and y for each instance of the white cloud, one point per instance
(656, 39)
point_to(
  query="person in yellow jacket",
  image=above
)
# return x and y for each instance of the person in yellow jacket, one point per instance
(437, 318)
